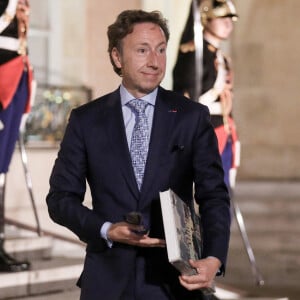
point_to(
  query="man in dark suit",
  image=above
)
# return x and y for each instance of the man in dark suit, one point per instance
(122, 260)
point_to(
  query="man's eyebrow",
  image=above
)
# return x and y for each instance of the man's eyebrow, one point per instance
(147, 44)
(162, 43)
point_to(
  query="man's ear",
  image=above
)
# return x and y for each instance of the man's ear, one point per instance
(115, 55)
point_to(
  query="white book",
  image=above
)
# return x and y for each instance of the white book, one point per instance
(182, 232)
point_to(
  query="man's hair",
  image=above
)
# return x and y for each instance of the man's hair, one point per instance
(124, 25)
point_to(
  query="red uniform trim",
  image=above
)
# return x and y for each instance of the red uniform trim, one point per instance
(222, 137)
(10, 75)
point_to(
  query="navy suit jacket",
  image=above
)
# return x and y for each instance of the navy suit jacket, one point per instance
(183, 149)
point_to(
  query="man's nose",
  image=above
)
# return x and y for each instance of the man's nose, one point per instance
(152, 59)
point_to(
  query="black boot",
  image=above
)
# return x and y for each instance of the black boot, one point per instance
(9, 264)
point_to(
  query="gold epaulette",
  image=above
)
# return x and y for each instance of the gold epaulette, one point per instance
(187, 47)
(211, 48)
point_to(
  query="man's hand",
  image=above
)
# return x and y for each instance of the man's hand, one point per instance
(207, 269)
(124, 232)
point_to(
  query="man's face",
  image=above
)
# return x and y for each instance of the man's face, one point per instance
(142, 59)
(220, 27)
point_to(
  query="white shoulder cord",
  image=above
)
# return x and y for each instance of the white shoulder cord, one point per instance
(8, 15)
(211, 95)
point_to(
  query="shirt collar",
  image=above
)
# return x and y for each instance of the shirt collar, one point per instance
(212, 44)
(126, 96)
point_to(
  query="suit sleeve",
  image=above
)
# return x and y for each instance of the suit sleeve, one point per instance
(210, 191)
(68, 186)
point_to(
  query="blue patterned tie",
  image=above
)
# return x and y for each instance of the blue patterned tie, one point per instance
(140, 139)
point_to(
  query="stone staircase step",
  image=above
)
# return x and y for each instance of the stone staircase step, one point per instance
(271, 215)
(72, 294)
(28, 248)
(254, 292)
(277, 270)
(284, 223)
(263, 189)
(48, 275)
(224, 292)
(266, 241)
(268, 206)
(51, 270)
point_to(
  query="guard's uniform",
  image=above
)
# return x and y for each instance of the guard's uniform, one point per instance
(15, 92)
(216, 81)
(15, 80)
(216, 73)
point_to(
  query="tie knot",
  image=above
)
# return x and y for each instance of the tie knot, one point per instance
(138, 105)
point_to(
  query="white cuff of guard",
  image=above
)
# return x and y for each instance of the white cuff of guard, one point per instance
(8, 43)
(215, 108)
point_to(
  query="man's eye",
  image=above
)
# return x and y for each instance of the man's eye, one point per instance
(162, 50)
(142, 50)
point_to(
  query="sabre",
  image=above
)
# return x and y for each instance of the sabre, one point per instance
(198, 40)
(242, 228)
(27, 174)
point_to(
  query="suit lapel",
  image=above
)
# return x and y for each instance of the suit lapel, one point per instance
(117, 136)
(163, 123)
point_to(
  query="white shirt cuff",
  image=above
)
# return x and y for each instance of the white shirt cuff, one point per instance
(103, 232)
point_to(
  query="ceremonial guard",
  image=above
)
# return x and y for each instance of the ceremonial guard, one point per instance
(15, 92)
(217, 18)
(203, 73)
